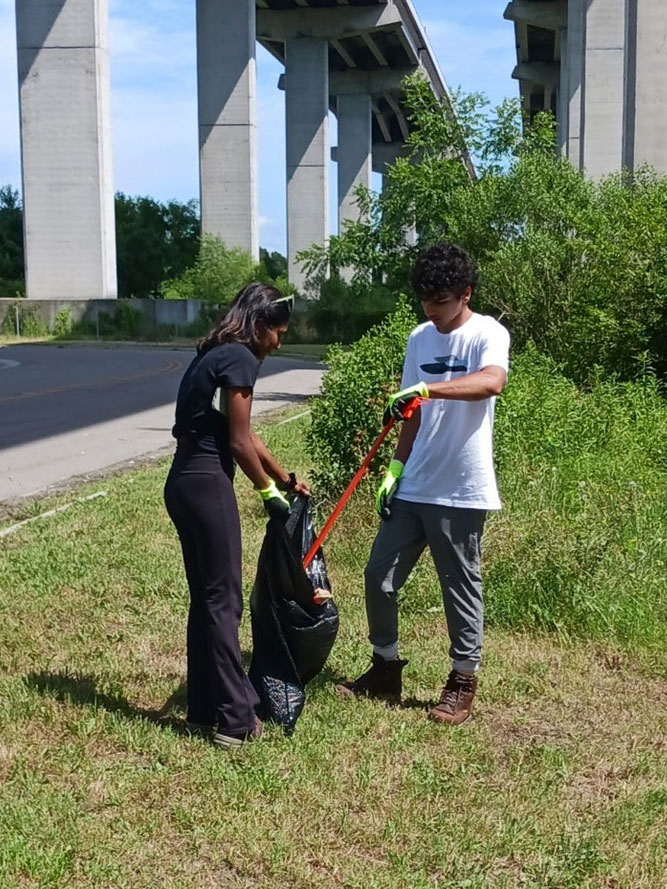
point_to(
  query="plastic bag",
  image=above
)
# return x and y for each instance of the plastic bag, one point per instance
(292, 634)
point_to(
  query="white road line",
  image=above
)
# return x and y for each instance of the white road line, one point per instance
(292, 419)
(51, 512)
(5, 363)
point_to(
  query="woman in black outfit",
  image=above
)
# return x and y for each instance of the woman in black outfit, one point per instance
(213, 433)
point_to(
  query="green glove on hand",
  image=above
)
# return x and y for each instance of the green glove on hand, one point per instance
(388, 488)
(400, 400)
(276, 504)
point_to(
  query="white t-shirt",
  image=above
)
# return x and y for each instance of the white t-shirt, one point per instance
(451, 463)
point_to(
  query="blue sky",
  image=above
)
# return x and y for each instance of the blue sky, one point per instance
(154, 111)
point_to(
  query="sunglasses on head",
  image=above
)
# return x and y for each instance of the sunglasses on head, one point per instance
(285, 299)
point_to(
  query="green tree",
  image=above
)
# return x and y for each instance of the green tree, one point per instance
(12, 275)
(274, 263)
(154, 241)
(577, 267)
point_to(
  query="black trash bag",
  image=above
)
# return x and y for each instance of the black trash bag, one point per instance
(292, 635)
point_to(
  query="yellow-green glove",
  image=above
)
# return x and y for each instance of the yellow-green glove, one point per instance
(276, 504)
(400, 400)
(388, 488)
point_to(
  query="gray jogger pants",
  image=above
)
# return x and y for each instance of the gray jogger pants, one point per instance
(453, 536)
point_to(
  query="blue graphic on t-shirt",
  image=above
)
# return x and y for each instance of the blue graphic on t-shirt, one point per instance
(444, 364)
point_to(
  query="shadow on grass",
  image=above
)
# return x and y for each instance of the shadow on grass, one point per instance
(416, 704)
(83, 691)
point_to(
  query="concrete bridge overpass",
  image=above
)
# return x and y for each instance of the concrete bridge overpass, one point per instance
(349, 56)
(601, 67)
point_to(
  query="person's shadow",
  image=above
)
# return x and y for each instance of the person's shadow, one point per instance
(83, 691)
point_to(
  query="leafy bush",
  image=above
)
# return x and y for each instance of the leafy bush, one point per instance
(62, 323)
(345, 312)
(348, 416)
(29, 321)
(218, 274)
(125, 323)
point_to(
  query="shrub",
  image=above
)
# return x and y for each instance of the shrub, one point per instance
(125, 323)
(218, 274)
(345, 312)
(348, 416)
(29, 321)
(62, 323)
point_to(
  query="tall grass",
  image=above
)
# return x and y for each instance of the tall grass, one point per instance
(582, 545)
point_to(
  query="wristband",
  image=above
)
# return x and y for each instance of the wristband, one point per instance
(269, 492)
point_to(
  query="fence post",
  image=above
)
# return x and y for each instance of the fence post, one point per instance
(18, 323)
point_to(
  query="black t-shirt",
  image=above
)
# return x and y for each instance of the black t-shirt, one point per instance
(231, 365)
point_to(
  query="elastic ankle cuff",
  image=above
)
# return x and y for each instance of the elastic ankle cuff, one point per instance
(466, 666)
(387, 652)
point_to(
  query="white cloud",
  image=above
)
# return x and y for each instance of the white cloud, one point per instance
(154, 105)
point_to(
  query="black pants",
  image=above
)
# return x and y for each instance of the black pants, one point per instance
(200, 501)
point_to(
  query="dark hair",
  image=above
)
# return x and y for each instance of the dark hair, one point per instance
(443, 269)
(256, 307)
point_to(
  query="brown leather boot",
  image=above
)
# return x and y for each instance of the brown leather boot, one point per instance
(455, 705)
(383, 680)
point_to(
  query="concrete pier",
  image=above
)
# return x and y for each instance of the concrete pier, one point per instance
(355, 153)
(647, 84)
(68, 196)
(353, 53)
(603, 94)
(226, 70)
(306, 109)
(612, 77)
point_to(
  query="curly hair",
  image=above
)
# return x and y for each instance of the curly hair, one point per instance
(443, 269)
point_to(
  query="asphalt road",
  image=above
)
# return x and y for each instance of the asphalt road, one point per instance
(71, 411)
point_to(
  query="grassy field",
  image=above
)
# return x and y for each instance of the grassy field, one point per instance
(560, 781)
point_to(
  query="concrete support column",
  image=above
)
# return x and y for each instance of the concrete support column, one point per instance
(603, 97)
(355, 153)
(646, 121)
(572, 70)
(68, 197)
(227, 76)
(307, 108)
(562, 120)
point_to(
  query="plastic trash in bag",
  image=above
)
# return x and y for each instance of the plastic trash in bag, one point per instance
(292, 633)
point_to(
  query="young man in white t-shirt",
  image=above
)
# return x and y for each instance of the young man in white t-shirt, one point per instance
(441, 482)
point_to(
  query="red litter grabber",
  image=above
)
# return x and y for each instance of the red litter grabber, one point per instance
(408, 411)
